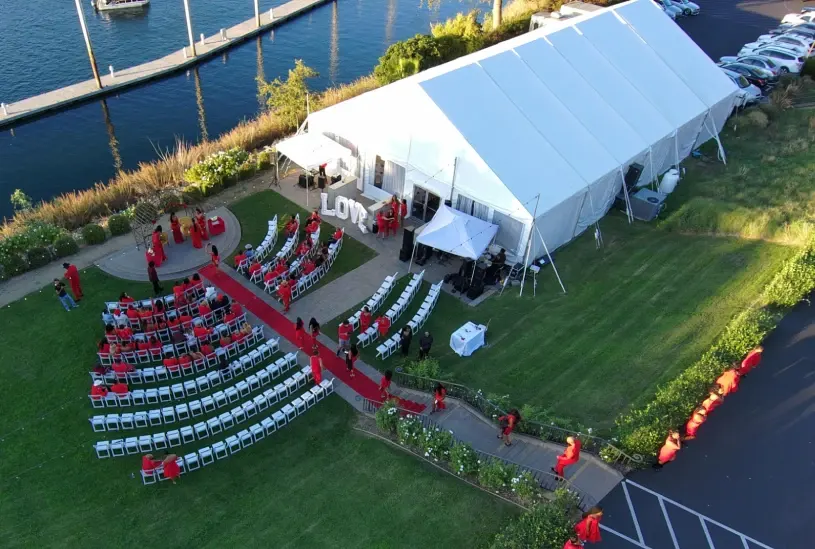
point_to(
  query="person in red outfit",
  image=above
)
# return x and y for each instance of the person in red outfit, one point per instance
(236, 308)
(315, 216)
(696, 420)
(122, 368)
(573, 542)
(668, 451)
(314, 329)
(171, 469)
(99, 391)
(344, 335)
(569, 457)
(125, 334)
(239, 259)
(439, 394)
(158, 247)
(124, 299)
(254, 267)
(395, 210)
(728, 382)
(201, 221)
(385, 385)
(383, 325)
(284, 290)
(300, 334)
(148, 464)
(351, 356)
(508, 423)
(303, 247)
(713, 401)
(133, 313)
(365, 319)
(201, 332)
(171, 363)
(195, 236)
(72, 276)
(175, 228)
(207, 349)
(311, 228)
(308, 267)
(381, 231)
(389, 220)
(316, 365)
(752, 360)
(214, 255)
(120, 388)
(403, 211)
(291, 227)
(337, 236)
(588, 529)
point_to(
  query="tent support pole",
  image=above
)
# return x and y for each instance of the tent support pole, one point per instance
(552, 261)
(676, 147)
(628, 212)
(412, 254)
(453, 184)
(719, 143)
(277, 166)
(529, 243)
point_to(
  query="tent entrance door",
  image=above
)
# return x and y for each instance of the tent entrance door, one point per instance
(425, 204)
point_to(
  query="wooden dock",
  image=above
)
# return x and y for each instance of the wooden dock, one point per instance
(158, 68)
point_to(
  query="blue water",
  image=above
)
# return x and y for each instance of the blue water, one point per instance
(41, 48)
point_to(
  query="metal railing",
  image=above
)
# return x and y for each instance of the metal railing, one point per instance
(546, 480)
(476, 399)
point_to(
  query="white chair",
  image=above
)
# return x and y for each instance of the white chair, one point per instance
(191, 462)
(174, 438)
(214, 425)
(132, 445)
(279, 419)
(246, 438)
(201, 431)
(187, 434)
(220, 450)
(233, 443)
(102, 449)
(145, 444)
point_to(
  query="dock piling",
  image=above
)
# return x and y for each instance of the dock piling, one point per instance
(112, 74)
(271, 13)
(223, 35)
(189, 27)
(257, 13)
(88, 44)
(5, 110)
(203, 41)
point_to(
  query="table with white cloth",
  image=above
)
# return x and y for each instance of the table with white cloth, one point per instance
(467, 339)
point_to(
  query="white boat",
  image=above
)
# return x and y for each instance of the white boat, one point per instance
(109, 5)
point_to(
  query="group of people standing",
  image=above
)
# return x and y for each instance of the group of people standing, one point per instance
(198, 234)
(72, 276)
(390, 217)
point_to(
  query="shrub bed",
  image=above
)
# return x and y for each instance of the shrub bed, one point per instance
(118, 224)
(93, 234)
(65, 246)
(12, 264)
(38, 256)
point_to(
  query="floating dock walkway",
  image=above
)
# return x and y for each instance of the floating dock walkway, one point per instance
(158, 68)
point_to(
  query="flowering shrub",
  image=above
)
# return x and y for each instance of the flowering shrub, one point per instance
(409, 431)
(437, 443)
(387, 417)
(495, 475)
(11, 265)
(525, 486)
(93, 234)
(213, 171)
(463, 459)
(118, 224)
(38, 256)
(65, 245)
(547, 524)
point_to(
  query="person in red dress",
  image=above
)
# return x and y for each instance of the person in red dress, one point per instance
(148, 464)
(195, 236)
(337, 236)
(214, 256)
(383, 325)
(389, 220)
(508, 423)
(99, 391)
(291, 227)
(316, 365)
(284, 291)
(569, 457)
(314, 329)
(588, 529)
(158, 247)
(668, 451)
(171, 469)
(201, 221)
(439, 394)
(714, 400)
(573, 542)
(381, 230)
(175, 227)
(120, 388)
(308, 267)
(395, 211)
(403, 211)
(315, 216)
(752, 360)
(300, 334)
(239, 259)
(696, 420)
(72, 276)
(385, 385)
(728, 382)
(365, 319)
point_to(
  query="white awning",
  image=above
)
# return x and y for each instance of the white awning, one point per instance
(311, 150)
(457, 233)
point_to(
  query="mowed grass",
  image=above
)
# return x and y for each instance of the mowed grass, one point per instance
(637, 312)
(315, 484)
(255, 211)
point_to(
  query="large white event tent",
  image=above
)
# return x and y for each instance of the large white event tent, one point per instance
(535, 134)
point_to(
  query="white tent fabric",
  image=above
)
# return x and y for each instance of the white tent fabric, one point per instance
(311, 150)
(457, 233)
(545, 125)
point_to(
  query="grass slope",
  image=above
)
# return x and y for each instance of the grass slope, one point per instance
(315, 484)
(638, 312)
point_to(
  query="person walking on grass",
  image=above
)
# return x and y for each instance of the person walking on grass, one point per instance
(72, 276)
(66, 300)
(508, 423)
(425, 342)
(152, 276)
(171, 469)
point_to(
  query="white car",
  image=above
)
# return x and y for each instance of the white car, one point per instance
(671, 8)
(788, 61)
(671, 13)
(754, 60)
(807, 15)
(687, 7)
(786, 42)
(748, 93)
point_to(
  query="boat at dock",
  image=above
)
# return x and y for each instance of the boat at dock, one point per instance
(110, 5)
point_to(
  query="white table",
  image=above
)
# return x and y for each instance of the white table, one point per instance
(467, 339)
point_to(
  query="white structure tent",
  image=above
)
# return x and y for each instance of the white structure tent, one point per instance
(310, 151)
(535, 134)
(456, 233)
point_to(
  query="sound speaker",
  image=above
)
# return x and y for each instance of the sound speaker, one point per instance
(476, 289)
(632, 175)
(404, 255)
(448, 203)
(408, 238)
(301, 181)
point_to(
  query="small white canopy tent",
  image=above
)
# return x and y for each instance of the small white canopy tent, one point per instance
(457, 233)
(310, 151)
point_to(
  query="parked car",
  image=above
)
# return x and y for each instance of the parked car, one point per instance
(762, 78)
(788, 61)
(671, 14)
(786, 43)
(804, 16)
(670, 7)
(754, 60)
(748, 94)
(806, 35)
(687, 7)
(788, 26)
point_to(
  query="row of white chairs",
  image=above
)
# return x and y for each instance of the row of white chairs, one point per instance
(121, 320)
(283, 254)
(270, 285)
(191, 294)
(181, 348)
(233, 444)
(376, 300)
(205, 429)
(193, 408)
(264, 248)
(389, 346)
(372, 334)
(165, 335)
(180, 391)
(306, 282)
(152, 374)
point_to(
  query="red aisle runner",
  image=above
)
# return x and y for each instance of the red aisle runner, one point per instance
(360, 383)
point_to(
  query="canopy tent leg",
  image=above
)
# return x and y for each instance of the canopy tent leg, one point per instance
(529, 243)
(552, 261)
(628, 212)
(722, 155)
(654, 177)
(412, 254)
(676, 147)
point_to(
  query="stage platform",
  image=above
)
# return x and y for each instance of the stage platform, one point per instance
(182, 259)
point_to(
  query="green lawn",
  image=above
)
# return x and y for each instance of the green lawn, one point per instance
(638, 312)
(255, 211)
(314, 484)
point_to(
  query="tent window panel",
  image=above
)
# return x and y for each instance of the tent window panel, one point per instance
(509, 231)
(348, 164)
(471, 207)
(393, 179)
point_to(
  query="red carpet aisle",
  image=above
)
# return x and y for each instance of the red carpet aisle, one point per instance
(360, 383)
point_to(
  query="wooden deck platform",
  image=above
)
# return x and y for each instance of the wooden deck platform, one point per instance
(174, 62)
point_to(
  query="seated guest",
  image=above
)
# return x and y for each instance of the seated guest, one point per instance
(324, 251)
(319, 261)
(246, 329)
(127, 347)
(249, 252)
(224, 340)
(238, 336)
(104, 347)
(207, 349)
(336, 236)
(187, 284)
(184, 360)
(148, 464)
(110, 332)
(189, 335)
(204, 309)
(315, 216)
(308, 267)
(311, 227)
(185, 320)
(303, 247)
(98, 369)
(239, 259)
(120, 318)
(99, 390)
(236, 308)
(124, 298)
(291, 227)
(154, 343)
(384, 324)
(143, 345)
(145, 315)
(120, 388)
(171, 363)
(178, 291)
(270, 276)
(196, 281)
(177, 337)
(124, 334)
(254, 268)
(107, 317)
(365, 319)
(229, 317)
(196, 356)
(174, 322)
(122, 367)
(133, 313)
(201, 332)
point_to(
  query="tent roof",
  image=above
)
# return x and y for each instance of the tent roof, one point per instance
(310, 150)
(457, 233)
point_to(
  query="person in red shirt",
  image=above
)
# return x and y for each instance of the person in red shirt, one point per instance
(254, 267)
(385, 385)
(696, 420)
(588, 529)
(201, 332)
(143, 345)
(148, 464)
(315, 216)
(344, 335)
(174, 322)
(381, 231)
(98, 390)
(236, 308)
(311, 227)
(403, 211)
(573, 542)
(239, 259)
(668, 451)
(395, 209)
(124, 334)
(270, 276)
(308, 267)
(154, 343)
(728, 382)
(171, 363)
(229, 317)
(569, 457)
(752, 360)
(122, 368)
(145, 315)
(337, 236)
(508, 423)
(439, 394)
(171, 469)
(185, 360)
(383, 325)
(72, 276)
(316, 365)
(124, 299)
(284, 290)
(389, 221)
(365, 319)
(133, 313)
(303, 247)
(207, 349)
(238, 336)
(120, 388)
(291, 227)
(204, 309)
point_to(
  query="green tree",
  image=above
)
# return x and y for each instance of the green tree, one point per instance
(459, 35)
(407, 58)
(287, 99)
(497, 9)
(20, 201)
